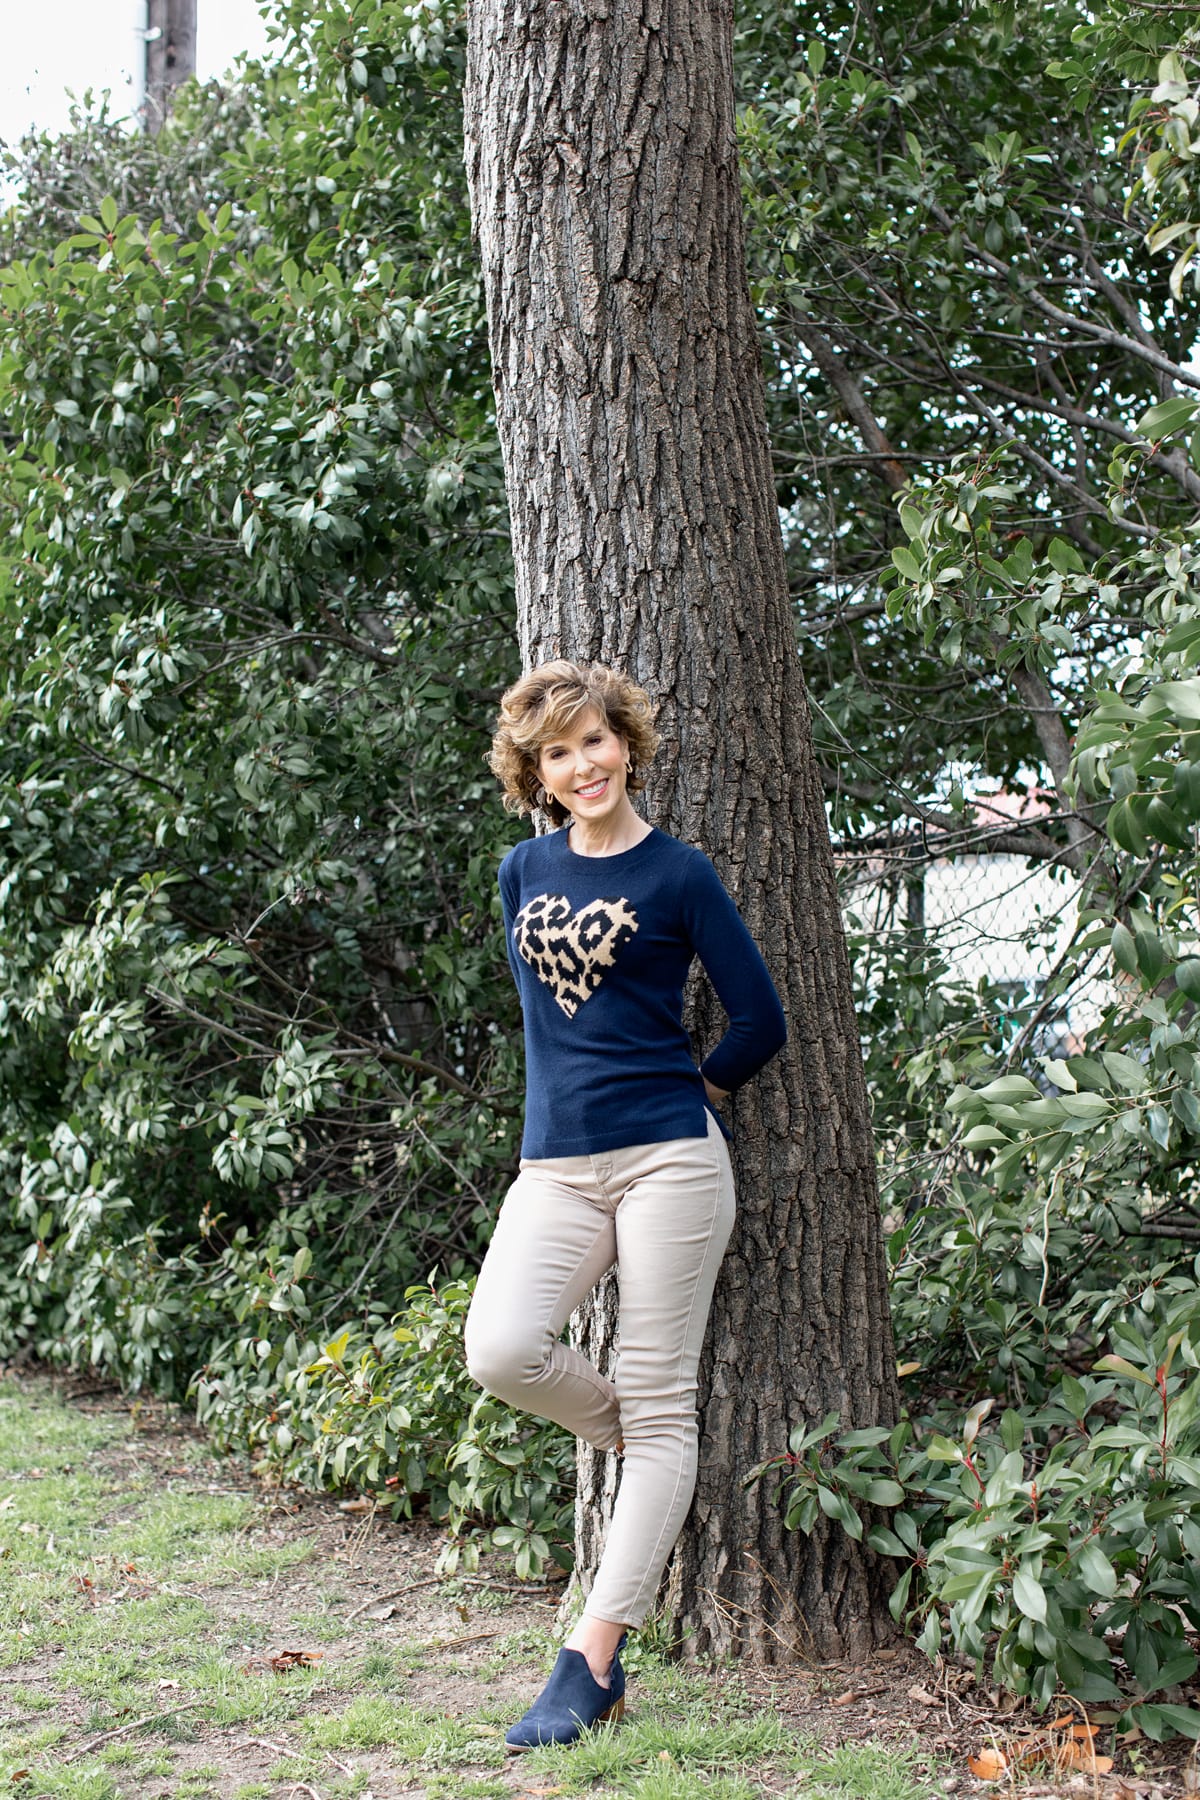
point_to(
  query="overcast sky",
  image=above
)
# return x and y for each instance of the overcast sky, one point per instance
(48, 46)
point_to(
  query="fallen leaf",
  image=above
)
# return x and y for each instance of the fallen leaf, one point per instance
(989, 1765)
(164, 1683)
(1082, 1756)
(922, 1696)
(356, 1506)
(844, 1699)
(1084, 1731)
(383, 1611)
(297, 1659)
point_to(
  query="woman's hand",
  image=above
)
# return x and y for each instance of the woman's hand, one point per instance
(715, 1094)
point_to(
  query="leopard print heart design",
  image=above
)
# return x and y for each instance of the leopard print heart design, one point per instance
(570, 950)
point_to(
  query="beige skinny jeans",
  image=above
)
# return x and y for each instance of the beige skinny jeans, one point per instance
(663, 1213)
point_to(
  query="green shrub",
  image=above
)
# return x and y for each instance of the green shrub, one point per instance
(1062, 1539)
(387, 1408)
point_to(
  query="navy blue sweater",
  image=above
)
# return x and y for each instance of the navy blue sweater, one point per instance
(600, 948)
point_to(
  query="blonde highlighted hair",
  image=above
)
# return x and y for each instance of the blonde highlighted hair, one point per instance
(544, 706)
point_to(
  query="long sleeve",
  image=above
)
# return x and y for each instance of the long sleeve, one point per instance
(508, 906)
(757, 1027)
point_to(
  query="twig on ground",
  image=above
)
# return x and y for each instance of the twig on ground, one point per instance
(344, 1767)
(261, 1744)
(508, 1587)
(394, 1594)
(106, 1737)
(474, 1637)
(302, 1787)
(483, 1581)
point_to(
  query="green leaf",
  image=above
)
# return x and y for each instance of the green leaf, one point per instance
(1121, 1365)
(1168, 826)
(1010, 1087)
(1064, 557)
(912, 520)
(1012, 1429)
(1127, 1072)
(1185, 1720)
(886, 1542)
(1124, 949)
(1029, 1595)
(1182, 698)
(1096, 1569)
(882, 1492)
(982, 1137)
(1166, 417)
(1124, 829)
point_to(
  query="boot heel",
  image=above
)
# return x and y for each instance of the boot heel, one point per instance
(615, 1712)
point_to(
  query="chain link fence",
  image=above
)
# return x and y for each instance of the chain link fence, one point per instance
(988, 921)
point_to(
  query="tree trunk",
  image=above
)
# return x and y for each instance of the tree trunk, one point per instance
(604, 179)
(170, 55)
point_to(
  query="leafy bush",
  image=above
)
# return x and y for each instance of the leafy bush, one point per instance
(387, 1407)
(1052, 1535)
(255, 609)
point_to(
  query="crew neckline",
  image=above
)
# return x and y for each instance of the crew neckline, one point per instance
(617, 856)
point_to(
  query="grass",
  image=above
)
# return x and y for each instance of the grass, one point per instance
(143, 1586)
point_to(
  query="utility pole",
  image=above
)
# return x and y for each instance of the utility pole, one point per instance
(170, 55)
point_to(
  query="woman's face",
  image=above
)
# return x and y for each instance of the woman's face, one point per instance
(585, 769)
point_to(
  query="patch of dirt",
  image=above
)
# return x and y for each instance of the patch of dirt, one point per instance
(363, 1587)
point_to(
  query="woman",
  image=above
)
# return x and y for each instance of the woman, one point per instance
(623, 1159)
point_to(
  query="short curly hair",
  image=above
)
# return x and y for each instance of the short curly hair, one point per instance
(544, 705)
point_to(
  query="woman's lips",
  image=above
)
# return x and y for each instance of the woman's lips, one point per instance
(593, 789)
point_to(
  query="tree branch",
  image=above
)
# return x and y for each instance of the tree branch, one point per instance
(852, 398)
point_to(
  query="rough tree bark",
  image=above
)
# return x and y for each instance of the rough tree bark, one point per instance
(170, 56)
(604, 180)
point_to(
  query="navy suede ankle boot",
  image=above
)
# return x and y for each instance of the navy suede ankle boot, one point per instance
(571, 1702)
